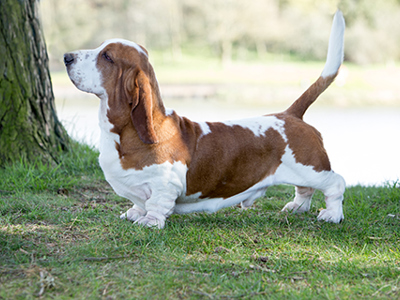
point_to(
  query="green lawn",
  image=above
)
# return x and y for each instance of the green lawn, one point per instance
(61, 238)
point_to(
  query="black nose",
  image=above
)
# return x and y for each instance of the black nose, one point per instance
(68, 59)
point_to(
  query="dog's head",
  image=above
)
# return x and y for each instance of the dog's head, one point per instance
(120, 72)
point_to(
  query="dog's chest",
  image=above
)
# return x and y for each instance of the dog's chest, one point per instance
(109, 158)
(131, 184)
(126, 183)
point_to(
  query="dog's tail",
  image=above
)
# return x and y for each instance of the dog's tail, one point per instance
(333, 61)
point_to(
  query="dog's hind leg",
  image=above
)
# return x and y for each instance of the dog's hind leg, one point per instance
(302, 200)
(334, 200)
(306, 180)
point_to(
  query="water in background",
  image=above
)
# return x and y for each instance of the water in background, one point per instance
(363, 143)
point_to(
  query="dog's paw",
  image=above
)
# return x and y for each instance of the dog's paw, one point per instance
(332, 215)
(152, 219)
(133, 214)
(294, 207)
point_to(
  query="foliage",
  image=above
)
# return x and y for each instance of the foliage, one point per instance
(71, 244)
(226, 27)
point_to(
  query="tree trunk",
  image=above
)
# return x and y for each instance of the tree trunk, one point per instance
(29, 126)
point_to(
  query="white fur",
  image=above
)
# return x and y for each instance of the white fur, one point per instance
(259, 125)
(330, 183)
(169, 111)
(289, 172)
(124, 42)
(84, 73)
(159, 190)
(336, 46)
(204, 128)
(153, 190)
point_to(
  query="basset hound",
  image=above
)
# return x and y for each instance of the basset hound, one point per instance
(166, 164)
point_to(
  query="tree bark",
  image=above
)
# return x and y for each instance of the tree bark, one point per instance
(29, 126)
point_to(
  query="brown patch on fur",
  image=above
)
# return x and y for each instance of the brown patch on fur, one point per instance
(141, 109)
(304, 140)
(231, 159)
(122, 78)
(136, 110)
(223, 163)
(306, 143)
(299, 107)
(176, 139)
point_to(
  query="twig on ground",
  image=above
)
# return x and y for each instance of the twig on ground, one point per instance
(46, 282)
(105, 258)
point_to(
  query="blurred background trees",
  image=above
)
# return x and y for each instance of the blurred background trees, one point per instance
(226, 28)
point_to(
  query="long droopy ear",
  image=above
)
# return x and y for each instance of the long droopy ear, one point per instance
(142, 109)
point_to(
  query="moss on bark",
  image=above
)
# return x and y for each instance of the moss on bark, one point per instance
(29, 126)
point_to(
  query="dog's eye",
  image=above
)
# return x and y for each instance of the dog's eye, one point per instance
(106, 57)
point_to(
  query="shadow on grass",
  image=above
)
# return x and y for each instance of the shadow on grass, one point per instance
(79, 239)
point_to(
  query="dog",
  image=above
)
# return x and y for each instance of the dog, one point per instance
(166, 164)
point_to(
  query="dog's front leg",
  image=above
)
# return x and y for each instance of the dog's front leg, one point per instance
(302, 200)
(159, 206)
(134, 213)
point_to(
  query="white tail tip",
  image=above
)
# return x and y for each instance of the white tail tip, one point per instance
(336, 46)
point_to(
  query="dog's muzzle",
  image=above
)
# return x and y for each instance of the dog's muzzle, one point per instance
(68, 59)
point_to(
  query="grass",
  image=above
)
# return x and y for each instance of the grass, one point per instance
(61, 238)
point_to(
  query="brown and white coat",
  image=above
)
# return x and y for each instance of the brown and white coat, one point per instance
(165, 163)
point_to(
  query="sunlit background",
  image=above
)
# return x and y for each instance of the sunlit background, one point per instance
(228, 59)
